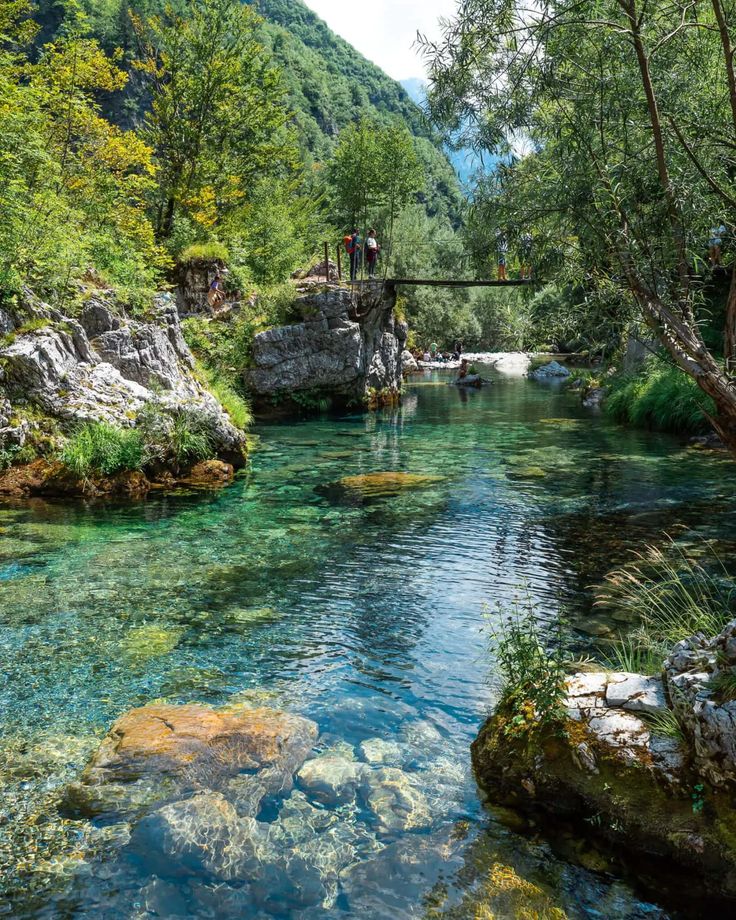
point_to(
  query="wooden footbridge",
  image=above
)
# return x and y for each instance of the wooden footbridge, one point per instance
(455, 283)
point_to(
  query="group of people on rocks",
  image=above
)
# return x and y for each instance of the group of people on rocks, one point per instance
(356, 249)
(433, 353)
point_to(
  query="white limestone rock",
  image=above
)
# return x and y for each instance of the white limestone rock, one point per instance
(549, 371)
(635, 693)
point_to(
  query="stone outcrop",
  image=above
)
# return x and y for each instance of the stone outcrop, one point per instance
(348, 345)
(614, 768)
(174, 748)
(104, 366)
(193, 279)
(700, 674)
(549, 371)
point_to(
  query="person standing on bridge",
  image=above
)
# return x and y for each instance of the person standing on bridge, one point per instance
(355, 251)
(371, 253)
(502, 247)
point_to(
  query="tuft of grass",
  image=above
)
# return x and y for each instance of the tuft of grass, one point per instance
(664, 723)
(670, 592)
(189, 439)
(205, 252)
(659, 396)
(225, 392)
(723, 685)
(100, 448)
(636, 656)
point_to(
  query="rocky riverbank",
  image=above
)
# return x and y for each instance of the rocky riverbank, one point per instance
(647, 764)
(96, 364)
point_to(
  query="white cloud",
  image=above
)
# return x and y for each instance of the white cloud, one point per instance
(384, 31)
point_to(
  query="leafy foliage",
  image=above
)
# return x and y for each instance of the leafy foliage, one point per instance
(73, 193)
(533, 673)
(616, 131)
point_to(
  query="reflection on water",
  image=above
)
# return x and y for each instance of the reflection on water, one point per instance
(365, 614)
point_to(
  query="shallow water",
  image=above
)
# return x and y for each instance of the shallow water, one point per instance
(369, 616)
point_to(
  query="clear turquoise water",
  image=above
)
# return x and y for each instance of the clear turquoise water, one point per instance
(370, 618)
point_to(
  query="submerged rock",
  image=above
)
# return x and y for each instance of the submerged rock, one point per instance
(379, 751)
(202, 835)
(331, 779)
(396, 801)
(385, 484)
(159, 750)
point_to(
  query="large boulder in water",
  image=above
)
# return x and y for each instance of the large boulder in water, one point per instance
(347, 347)
(159, 751)
(620, 775)
(107, 367)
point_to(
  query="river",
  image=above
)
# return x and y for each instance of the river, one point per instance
(370, 617)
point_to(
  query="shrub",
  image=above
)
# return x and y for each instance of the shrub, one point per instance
(532, 671)
(97, 447)
(205, 252)
(659, 396)
(179, 437)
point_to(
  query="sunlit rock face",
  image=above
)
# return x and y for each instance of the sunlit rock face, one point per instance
(105, 366)
(159, 751)
(701, 679)
(347, 344)
(617, 762)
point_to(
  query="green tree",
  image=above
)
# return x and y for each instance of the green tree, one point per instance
(628, 114)
(72, 187)
(217, 120)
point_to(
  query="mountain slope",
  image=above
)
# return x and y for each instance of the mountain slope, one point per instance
(329, 83)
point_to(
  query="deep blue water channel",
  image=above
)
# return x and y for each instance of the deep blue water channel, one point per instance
(370, 617)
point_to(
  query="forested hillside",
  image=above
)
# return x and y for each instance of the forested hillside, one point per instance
(328, 83)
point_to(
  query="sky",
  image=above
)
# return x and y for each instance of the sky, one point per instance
(385, 30)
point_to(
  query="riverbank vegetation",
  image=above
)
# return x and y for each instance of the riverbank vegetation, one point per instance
(668, 592)
(616, 126)
(659, 396)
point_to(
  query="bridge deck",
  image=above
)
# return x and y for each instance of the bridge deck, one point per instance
(434, 282)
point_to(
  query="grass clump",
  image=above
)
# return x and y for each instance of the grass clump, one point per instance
(670, 592)
(226, 393)
(205, 252)
(723, 685)
(97, 447)
(659, 396)
(175, 437)
(664, 723)
(533, 673)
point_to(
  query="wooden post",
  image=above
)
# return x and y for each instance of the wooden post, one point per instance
(327, 261)
(339, 262)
